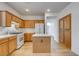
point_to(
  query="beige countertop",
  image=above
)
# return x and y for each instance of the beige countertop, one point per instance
(6, 36)
(41, 35)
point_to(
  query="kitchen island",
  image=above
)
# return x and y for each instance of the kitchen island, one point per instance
(41, 43)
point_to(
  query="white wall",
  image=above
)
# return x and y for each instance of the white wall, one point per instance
(53, 28)
(73, 8)
(31, 17)
(53, 20)
(4, 7)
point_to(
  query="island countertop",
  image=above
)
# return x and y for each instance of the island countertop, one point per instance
(41, 35)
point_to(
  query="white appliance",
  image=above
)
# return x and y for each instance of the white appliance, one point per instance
(39, 28)
(20, 40)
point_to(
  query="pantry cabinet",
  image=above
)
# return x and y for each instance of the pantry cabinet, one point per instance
(5, 18)
(65, 31)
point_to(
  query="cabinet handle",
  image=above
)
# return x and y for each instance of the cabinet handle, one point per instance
(41, 41)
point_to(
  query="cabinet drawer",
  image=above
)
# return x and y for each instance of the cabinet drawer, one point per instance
(12, 37)
(3, 40)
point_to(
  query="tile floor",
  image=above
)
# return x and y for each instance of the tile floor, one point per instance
(56, 50)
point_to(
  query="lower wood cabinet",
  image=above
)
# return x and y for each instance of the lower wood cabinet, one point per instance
(7, 45)
(12, 44)
(4, 47)
(41, 44)
(28, 37)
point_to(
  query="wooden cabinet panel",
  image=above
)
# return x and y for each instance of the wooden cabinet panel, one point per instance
(4, 47)
(61, 28)
(8, 19)
(0, 19)
(21, 23)
(65, 31)
(12, 44)
(41, 44)
(29, 24)
(28, 37)
(61, 24)
(39, 21)
(67, 22)
(67, 38)
(61, 36)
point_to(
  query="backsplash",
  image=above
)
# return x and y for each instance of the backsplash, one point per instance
(27, 30)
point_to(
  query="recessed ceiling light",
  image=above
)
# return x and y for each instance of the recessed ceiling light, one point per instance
(27, 10)
(48, 10)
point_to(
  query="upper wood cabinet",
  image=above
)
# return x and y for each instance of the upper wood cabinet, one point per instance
(8, 19)
(0, 19)
(29, 23)
(5, 18)
(39, 21)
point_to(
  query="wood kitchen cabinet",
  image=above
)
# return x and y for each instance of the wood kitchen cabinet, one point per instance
(0, 19)
(4, 47)
(5, 18)
(21, 23)
(8, 19)
(39, 21)
(41, 44)
(12, 44)
(65, 31)
(28, 37)
(61, 29)
(29, 23)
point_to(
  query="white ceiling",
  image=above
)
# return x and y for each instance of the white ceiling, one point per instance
(37, 8)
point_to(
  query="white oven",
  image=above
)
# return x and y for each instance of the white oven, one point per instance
(20, 40)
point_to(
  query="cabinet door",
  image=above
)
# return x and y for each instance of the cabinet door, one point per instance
(8, 19)
(4, 49)
(28, 37)
(61, 24)
(29, 24)
(61, 33)
(67, 22)
(12, 44)
(39, 21)
(67, 31)
(67, 38)
(61, 36)
(0, 19)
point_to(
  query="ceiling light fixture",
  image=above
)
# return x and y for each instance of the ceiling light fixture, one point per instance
(27, 10)
(48, 10)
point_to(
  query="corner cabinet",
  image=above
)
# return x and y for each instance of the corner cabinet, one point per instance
(5, 18)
